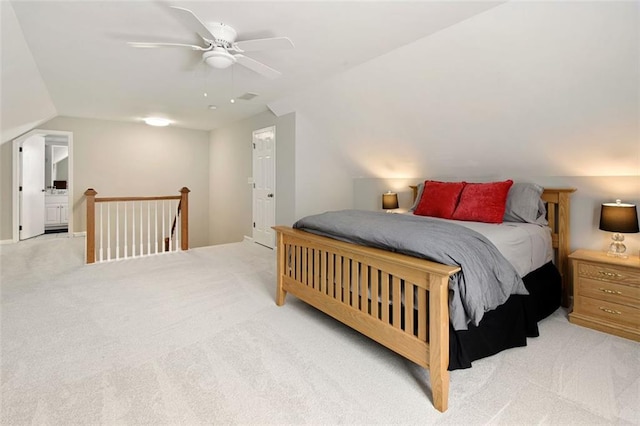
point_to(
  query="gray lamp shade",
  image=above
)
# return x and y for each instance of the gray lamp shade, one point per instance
(390, 200)
(619, 217)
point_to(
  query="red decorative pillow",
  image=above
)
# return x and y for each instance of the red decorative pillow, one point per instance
(483, 202)
(439, 199)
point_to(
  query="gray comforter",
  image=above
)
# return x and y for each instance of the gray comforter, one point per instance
(486, 281)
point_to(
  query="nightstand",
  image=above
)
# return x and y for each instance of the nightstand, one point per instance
(606, 293)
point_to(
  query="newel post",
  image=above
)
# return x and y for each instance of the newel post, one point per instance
(184, 217)
(91, 225)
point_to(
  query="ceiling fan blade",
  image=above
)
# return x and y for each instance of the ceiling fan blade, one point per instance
(258, 67)
(193, 22)
(154, 45)
(264, 44)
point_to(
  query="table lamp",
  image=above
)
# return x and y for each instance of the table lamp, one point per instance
(389, 201)
(619, 218)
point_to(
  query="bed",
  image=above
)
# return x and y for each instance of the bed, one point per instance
(339, 278)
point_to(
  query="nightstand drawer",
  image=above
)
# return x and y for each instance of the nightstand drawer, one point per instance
(611, 312)
(615, 274)
(608, 291)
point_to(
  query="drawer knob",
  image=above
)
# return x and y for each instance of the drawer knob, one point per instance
(606, 290)
(610, 311)
(609, 274)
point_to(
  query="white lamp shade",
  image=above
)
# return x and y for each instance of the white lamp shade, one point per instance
(219, 58)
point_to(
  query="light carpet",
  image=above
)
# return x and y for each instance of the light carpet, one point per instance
(195, 337)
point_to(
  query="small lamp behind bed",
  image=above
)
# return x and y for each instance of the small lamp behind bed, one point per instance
(389, 201)
(619, 218)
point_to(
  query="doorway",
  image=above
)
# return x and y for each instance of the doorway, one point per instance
(42, 183)
(264, 186)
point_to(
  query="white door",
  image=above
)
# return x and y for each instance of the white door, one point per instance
(264, 186)
(32, 183)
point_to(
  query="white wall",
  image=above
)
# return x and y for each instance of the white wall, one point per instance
(25, 100)
(323, 181)
(6, 182)
(548, 90)
(132, 159)
(540, 88)
(231, 166)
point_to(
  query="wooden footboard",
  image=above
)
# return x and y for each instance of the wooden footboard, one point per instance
(397, 300)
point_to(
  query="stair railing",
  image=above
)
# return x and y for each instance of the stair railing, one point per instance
(126, 227)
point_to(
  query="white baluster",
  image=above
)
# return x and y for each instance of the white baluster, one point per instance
(117, 230)
(141, 225)
(170, 224)
(133, 229)
(126, 229)
(163, 237)
(155, 242)
(101, 232)
(109, 231)
(148, 227)
(173, 234)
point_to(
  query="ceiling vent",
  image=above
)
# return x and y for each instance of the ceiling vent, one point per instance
(248, 96)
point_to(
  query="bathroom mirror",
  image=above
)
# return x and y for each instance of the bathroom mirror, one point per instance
(59, 163)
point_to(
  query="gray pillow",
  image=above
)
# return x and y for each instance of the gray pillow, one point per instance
(418, 196)
(525, 205)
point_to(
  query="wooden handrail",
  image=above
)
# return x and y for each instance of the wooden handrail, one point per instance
(182, 211)
(114, 199)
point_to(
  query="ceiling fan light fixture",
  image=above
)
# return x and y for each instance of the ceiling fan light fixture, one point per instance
(157, 121)
(219, 58)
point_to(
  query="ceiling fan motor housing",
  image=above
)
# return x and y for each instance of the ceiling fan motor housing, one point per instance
(223, 33)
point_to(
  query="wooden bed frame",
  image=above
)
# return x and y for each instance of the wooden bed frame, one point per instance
(337, 278)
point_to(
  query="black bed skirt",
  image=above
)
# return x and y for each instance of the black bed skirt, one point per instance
(509, 325)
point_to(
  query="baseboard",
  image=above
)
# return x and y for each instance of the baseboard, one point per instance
(80, 234)
(2, 242)
(247, 238)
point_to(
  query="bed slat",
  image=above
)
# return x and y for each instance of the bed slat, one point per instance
(408, 307)
(364, 289)
(375, 279)
(397, 302)
(384, 298)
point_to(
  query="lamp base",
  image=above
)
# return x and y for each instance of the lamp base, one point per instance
(617, 247)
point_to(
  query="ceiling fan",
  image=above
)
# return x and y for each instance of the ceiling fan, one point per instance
(221, 50)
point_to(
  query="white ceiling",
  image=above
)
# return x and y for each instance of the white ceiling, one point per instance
(81, 52)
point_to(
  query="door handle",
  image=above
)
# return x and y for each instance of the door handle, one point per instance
(270, 195)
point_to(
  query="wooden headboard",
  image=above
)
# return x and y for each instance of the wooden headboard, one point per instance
(557, 202)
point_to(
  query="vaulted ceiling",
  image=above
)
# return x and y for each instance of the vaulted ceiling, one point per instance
(81, 54)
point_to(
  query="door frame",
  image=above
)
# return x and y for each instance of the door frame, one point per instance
(16, 177)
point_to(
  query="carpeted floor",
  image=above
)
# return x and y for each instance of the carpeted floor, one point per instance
(195, 337)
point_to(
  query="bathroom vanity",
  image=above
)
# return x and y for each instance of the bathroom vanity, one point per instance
(56, 210)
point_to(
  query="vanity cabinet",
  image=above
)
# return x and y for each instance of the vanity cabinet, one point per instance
(56, 211)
